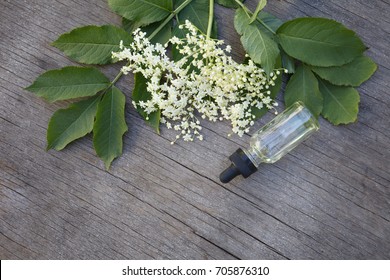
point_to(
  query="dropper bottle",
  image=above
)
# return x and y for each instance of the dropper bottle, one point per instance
(272, 141)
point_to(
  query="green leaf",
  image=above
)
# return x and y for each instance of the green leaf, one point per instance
(92, 44)
(143, 12)
(351, 74)
(130, 25)
(176, 55)
(319, 41)
(69, 82)
(67, 125)
(278, 82)
(241, 21)
(270, 21)
(303, 86)
(341, 104)
(110, 125)
(140, 93)
(259, 46)
(288, 62)
(197, 12)
(267, 19)
(260, 6)
(161, 37)
(179, 33)
(228, 3)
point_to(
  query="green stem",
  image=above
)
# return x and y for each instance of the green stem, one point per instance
(241, 4)
(169, 18)
(211, 19)
(116, 79)
(246, 10)
(260, 6)
(265, 25)
(113, 82)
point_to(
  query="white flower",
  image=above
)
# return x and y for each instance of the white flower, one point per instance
(215, 85)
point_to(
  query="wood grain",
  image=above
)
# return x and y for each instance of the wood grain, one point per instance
(328, 199)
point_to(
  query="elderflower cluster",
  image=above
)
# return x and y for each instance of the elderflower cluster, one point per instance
(204, 83)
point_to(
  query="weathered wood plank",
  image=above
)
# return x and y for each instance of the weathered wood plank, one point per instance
(329, 199)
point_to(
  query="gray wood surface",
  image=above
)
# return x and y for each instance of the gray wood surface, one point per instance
(328, 199)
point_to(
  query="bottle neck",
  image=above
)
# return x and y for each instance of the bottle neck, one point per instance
(253, 156)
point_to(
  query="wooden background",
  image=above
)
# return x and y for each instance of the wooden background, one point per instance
(328, 199)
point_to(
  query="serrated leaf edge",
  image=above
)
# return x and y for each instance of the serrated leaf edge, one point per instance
(52, 146)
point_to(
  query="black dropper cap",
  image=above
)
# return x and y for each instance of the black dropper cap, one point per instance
(241, 164)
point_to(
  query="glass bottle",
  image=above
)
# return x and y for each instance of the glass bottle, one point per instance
(273, 141)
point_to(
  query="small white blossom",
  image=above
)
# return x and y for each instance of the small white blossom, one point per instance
(215, 85)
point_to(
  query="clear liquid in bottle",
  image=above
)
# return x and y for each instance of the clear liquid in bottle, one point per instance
(273, 141)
